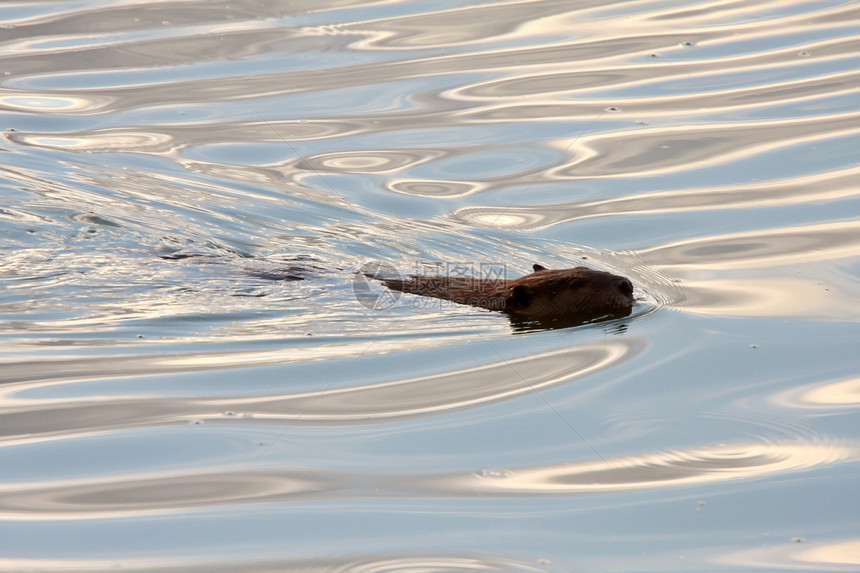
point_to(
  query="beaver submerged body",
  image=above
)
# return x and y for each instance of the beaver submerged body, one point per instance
(572, 296)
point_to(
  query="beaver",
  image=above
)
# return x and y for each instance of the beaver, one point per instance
(545, 298)
(572, 296)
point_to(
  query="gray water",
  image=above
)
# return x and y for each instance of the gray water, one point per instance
(204, 414)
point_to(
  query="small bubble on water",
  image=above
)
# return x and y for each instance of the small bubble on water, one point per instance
(495, 473)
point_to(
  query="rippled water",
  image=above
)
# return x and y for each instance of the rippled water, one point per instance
(164, 412)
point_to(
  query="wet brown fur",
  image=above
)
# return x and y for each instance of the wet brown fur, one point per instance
(578, 293)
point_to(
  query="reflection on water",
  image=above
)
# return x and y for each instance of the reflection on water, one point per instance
(407, 397)
(838, 556)
(667, 469)
(728, 275)
(137, 494)
(218, 410)
(358, 563)
(779, 192)
(52, 104)
(843, 394)
(771, 248)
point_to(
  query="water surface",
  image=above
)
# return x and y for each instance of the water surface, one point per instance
(243, 410)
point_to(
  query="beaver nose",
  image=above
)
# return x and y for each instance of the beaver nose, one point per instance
(624, 286)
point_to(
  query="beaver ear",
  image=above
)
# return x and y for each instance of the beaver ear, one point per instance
(522, 296)
(538, 268)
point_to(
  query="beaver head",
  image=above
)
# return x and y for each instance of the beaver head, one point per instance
(579, 293)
